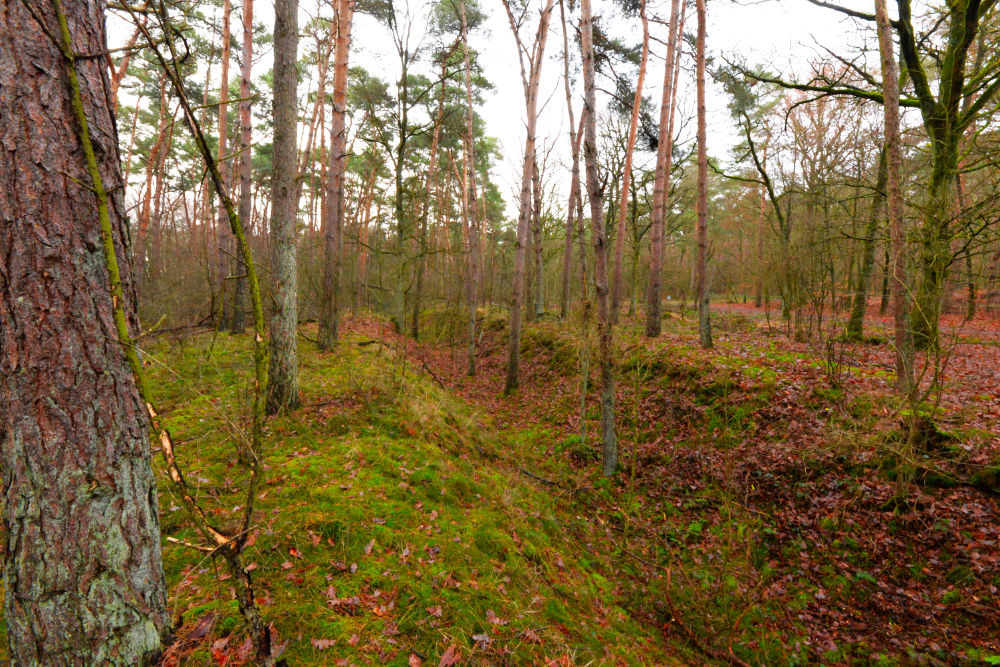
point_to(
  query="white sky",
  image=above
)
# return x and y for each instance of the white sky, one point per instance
(781, 33)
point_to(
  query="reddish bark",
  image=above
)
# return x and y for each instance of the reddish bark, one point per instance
(82, 574)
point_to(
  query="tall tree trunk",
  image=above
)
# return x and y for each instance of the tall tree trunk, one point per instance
(333, 216)
(155, 230)
(204, 213)
(360, 289)
(536, 234)
(758, 289)
(609, 442)
(398, 290)
(283, 365)
(118, 73)
(83, 576)
(855, 325)
(245, 164)
(574, 142)
(970, 277)
(531, 81)
(223, 237)
(469, 166)
(633, 128)
(894, 162)
(702, 287)
(145, 214)
(430, 181)
(661, 187)
(317, 123)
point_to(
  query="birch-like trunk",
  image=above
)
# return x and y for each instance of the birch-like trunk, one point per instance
(245, 163)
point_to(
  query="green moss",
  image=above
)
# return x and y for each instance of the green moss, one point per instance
(382, 499)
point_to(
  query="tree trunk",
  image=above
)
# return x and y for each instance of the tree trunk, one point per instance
(536, 235)
(145, 215)
(661, 187)
(333, 217)
(616, 290)
(222, 232)
(758, 290)
(245, 164)
(531, 84)
(429, 182)
(855, 325)
(609, 443)
(702, 287)
(970, 277)
(283, 385)
(469, 166)
(894, 161)
(82, 574)
(574, 141)
(307, 162)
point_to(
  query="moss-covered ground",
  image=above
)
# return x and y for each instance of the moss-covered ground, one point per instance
(393, 525)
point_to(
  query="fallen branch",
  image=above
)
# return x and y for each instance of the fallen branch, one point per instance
(544, 481)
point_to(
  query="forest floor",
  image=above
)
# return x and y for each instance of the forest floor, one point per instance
(412, 515)
(757, 519)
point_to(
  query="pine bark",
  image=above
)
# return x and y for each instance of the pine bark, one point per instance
(661, 185)
(245, 163)
(536, 235)
(151, 181)
(333, 215)
(633, 128)
(282, 388)
(609, 442)
(702, 287)
(469, 166)
(567, 266)
(83, 576)
(224, 240)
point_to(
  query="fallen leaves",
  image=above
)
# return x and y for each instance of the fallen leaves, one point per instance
(451, 656)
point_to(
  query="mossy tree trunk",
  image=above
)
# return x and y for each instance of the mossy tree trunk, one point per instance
(83, 574)
(283, 371)
(609, 442)
(855, 325)
(701, 264)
